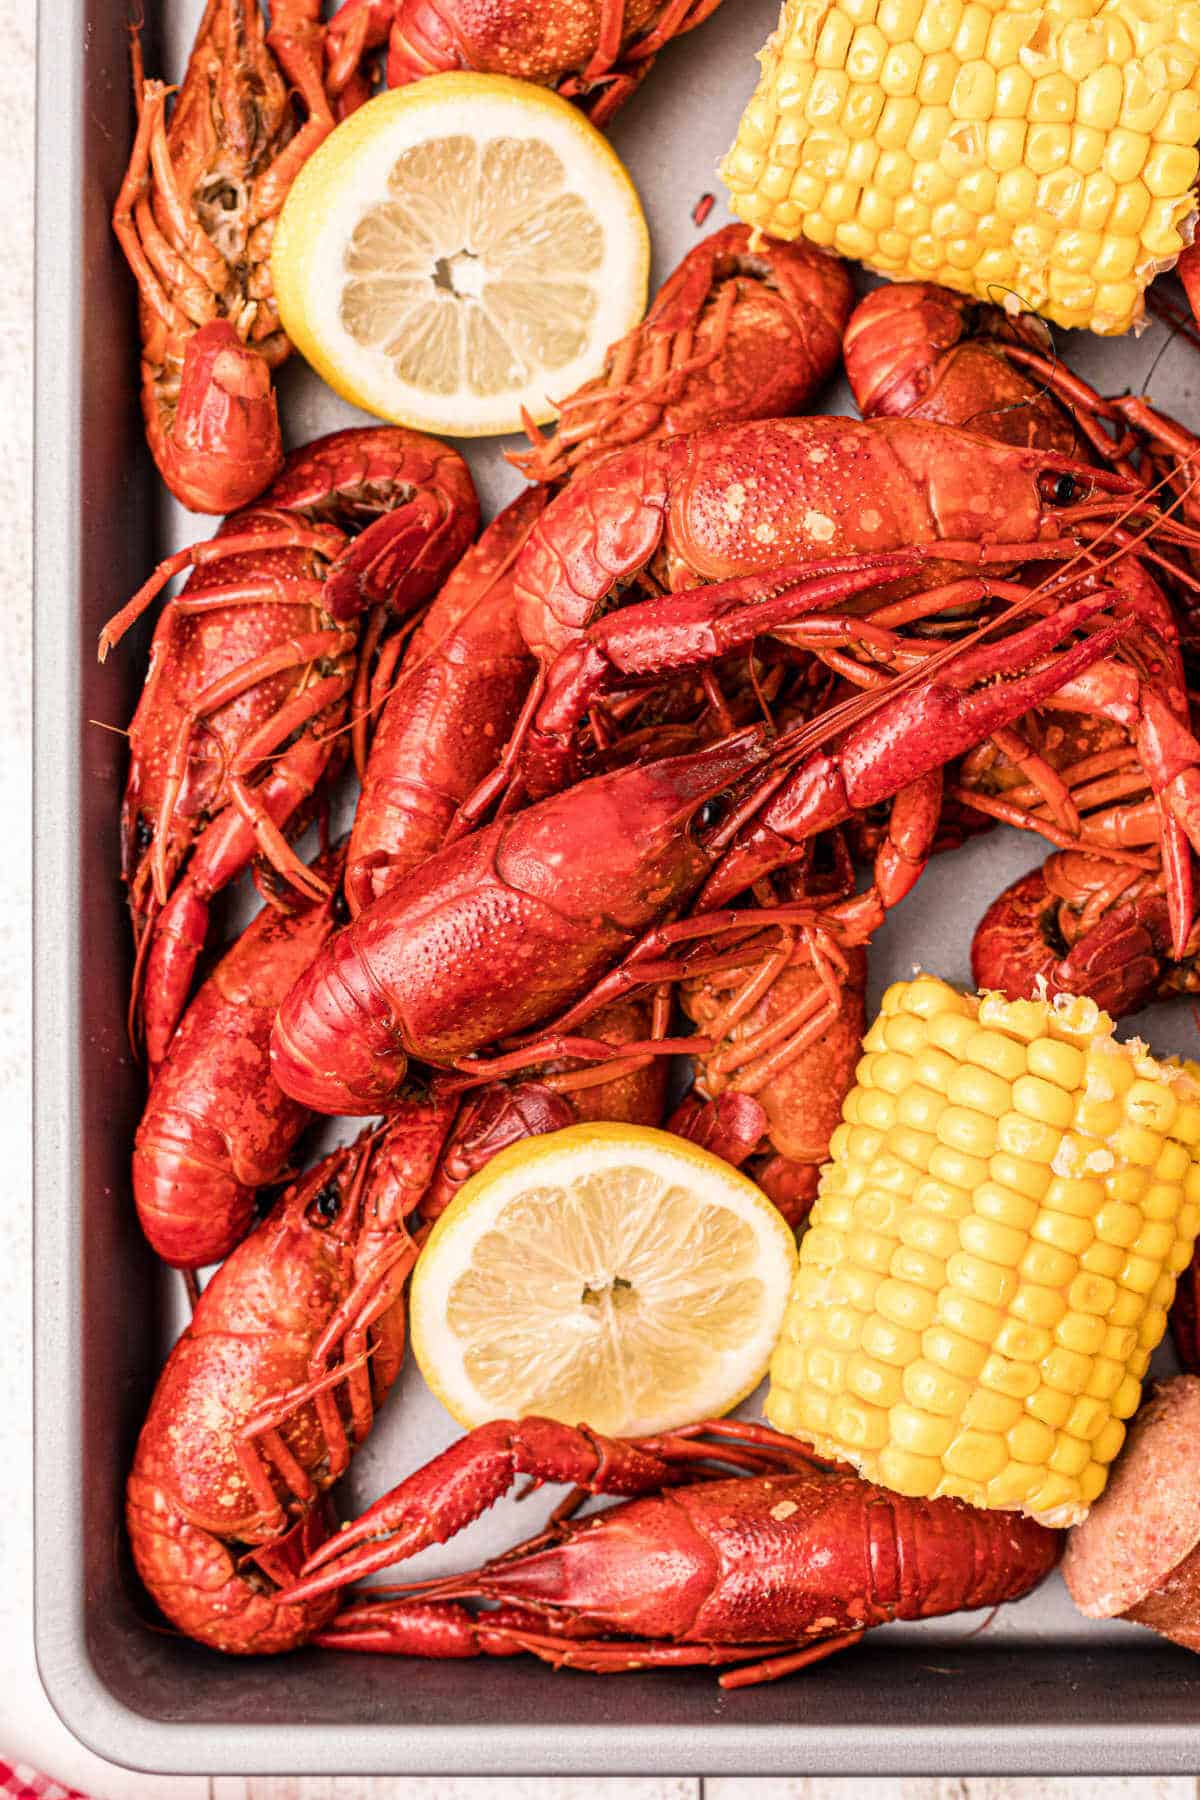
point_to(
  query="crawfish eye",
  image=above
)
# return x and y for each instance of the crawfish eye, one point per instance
(1060, 490)
(708, 814)
(340, 909)
(325, 1204)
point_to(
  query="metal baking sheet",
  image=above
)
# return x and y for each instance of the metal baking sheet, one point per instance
(1039, 1690)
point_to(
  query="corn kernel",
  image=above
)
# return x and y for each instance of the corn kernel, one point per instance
(992, 1201)
(970, 38)
(1049, 1405)
(907, 1473)
(1021, 1342)
(1139, 1274)
(986, 1410)
(873, 1381)
(1081, 1332)
(890, 1343)
(952, 1032)
(1017, 1380)
(1064, 1231)
(1021, 1136)
(962, 1128)
(861, 1426)
(936, 25)
(1031, 1441)
(957, 1168)
(970, 1086)
(1040, 1306)
(920, 1108)
(1028, 1178)
(1048, 1266)
(976, 1455)
(973, 1318)
(1076, 1198)
(999, 1249)
(903, 1304)
(953, 1351)
(933, 1389)
(920, 1432)
(1127, 1397)
(1012, 1486)
(1043, 1101)
(1091, 1482)
(1108, 1441)
(1053, 98)
(1069, 1456)
(1059, 1063)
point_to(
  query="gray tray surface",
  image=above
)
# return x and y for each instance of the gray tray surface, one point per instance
(1039, 1690)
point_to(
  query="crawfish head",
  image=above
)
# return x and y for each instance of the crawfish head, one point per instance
(1034, 933)
(749, 498)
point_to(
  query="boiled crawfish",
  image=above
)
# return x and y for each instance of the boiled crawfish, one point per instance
(251, 671)
(293, 1345)
(195, 217)
(592, 51)
(773, 1571)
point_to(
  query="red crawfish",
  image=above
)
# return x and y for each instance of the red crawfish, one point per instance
(573, 897)
(593, 51)
(195, 217)
(252, 667)
(1102, 916)
(292, 1347)
(732, 334)
(746, 506)
(216, 1126)
(1096, 918)
(773, 1570)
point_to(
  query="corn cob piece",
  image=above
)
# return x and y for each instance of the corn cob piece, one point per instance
(1036, 153)
(993, 1251)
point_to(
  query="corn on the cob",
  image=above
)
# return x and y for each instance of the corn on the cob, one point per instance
(993, 1251)
(1037, 153)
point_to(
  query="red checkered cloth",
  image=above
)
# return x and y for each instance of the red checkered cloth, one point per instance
(19, 1782)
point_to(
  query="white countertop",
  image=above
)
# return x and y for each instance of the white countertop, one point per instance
(29, 1730)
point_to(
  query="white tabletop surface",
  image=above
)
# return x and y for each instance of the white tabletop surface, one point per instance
(29, 1730)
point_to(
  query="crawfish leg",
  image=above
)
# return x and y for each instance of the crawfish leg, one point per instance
(152, 100)
(189, 261)
(298, 50)
(174, 939)
(259, 1440)
(297, 653)
(773, 1667)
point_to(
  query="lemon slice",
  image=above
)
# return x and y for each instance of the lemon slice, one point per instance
(606, 1274)
(459, 249)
